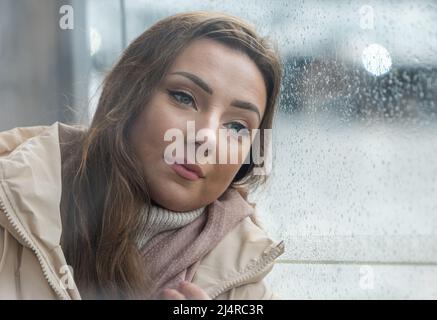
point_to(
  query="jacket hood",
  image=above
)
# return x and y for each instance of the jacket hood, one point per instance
(30, 193)
(29, 184)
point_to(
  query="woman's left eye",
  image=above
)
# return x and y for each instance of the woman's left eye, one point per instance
(239, 126)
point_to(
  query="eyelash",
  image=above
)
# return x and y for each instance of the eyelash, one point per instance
(173, 95)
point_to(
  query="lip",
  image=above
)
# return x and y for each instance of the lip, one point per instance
(194, 168)
(188, 171)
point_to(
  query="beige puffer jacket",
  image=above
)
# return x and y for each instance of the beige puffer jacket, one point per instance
(32, 264)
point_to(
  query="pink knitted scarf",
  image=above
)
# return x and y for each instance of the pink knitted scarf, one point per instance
(172, 256)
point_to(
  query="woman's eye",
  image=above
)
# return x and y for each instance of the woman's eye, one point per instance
(181, 97)
(239, 127)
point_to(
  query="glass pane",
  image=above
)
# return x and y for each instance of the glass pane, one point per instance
(354, 178)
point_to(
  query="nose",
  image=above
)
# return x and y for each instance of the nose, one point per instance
(206, 138)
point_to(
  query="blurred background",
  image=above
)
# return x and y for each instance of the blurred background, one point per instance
(353, 190)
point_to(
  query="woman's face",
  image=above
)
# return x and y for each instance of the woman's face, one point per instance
(226, 75)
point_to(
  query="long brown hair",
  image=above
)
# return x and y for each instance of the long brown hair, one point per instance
(102, 190)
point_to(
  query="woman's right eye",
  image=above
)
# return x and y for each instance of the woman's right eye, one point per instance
(182, 97)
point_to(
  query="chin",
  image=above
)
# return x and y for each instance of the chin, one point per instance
(172, 196)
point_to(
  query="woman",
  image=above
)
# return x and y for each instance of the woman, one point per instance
(98, 213)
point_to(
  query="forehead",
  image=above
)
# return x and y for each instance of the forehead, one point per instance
(230, 73)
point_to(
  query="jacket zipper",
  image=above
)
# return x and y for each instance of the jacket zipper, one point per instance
(254, 270)
(24, 236)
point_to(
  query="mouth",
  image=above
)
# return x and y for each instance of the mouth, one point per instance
(190, 172)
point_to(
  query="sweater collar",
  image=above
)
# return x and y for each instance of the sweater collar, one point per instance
(156, 219)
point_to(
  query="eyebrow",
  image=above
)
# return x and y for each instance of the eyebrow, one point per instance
(205, 87)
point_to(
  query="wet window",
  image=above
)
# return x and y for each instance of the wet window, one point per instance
(353, 189)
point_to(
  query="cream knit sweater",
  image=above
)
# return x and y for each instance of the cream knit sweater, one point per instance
(160, 219)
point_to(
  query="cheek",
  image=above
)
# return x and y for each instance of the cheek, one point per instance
(224, 173)
(236, 152)
(153, 123)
